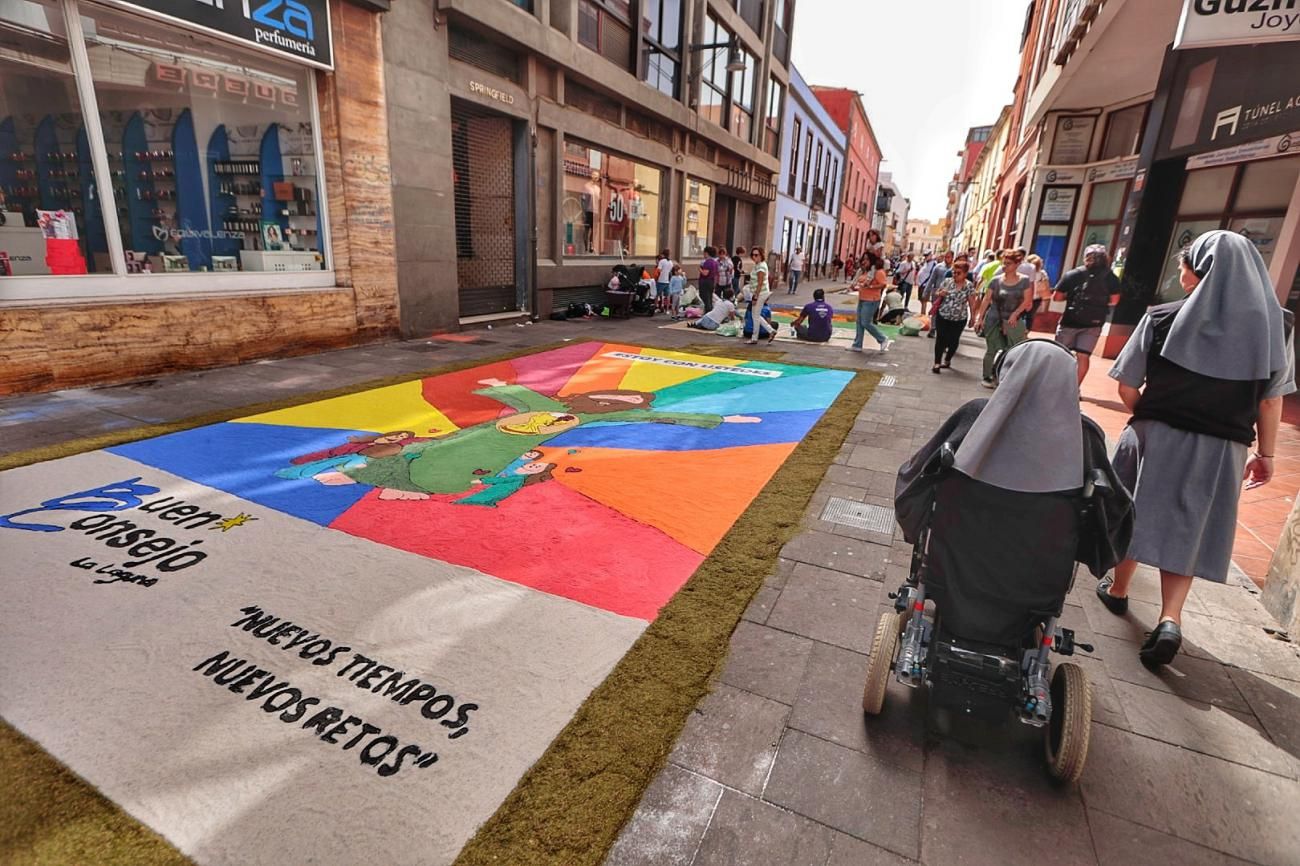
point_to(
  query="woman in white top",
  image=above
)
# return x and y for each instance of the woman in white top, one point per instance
(762, 290)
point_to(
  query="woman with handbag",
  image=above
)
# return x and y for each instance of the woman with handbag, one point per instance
(1204, 378)
(870, 286)
(1000, 320)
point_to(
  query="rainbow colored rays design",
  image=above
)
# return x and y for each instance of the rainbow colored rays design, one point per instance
(599, 472)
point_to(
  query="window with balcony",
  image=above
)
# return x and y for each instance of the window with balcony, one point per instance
(772, 133)
(661, 32)
(807, 165)
(605, 26)
(794, 158)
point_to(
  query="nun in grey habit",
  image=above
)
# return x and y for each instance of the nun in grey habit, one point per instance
(1028, 438)
(1204, 377)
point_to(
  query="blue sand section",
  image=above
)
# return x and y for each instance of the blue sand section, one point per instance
(716, 383)
(774, 428)
(242, 459)
(191, 204)
(815, 391)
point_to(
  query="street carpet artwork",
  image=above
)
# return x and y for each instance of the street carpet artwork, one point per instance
(352, 625)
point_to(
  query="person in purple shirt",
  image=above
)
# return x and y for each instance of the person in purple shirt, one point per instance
(819, 315)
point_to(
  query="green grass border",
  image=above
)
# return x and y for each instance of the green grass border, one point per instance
(568, 808)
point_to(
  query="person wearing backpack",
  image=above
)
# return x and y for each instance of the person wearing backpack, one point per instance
(1089, 292)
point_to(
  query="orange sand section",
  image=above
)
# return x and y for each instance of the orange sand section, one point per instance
(601, 372)
(693, 496)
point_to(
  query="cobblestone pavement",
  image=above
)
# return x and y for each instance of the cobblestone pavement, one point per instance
(1197, 764)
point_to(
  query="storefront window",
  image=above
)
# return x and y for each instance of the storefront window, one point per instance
(1256, 210)
(51, 222)
(611, 204)
(212, 149)
(697, 217)
(1267, 185)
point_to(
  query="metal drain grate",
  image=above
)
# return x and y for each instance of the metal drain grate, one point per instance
(846, 512)
(888, 381)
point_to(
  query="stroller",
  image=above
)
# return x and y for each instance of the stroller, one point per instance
(996, 565)
(629, 278)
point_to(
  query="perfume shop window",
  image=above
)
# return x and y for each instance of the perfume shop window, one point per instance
(212, 149)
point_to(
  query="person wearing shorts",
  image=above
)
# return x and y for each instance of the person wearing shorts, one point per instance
(1080, 341)
(1089, 294)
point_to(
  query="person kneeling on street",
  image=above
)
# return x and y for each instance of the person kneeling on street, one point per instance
(819, 317)
(724, 310)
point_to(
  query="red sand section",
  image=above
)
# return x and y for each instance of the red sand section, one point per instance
(594, 555)
(1263, 511)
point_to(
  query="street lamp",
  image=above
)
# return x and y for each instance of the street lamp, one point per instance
(735, 61)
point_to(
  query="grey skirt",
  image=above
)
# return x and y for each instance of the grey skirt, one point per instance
(1185, 491)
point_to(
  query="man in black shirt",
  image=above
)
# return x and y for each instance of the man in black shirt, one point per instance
(1089, 293)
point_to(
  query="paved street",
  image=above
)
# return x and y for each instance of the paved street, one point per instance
(1197, 764)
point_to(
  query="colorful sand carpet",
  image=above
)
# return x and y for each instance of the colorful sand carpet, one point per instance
(391, 600)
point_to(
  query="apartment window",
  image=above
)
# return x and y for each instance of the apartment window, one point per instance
(830, 184)
(1124, 132)
(661, 30)
(817, 170)
(752, 13)
(786, 228)
(713, 75)
(794, 158)
(605, 26)
(775, 97)
(807, 165)
(742, 98)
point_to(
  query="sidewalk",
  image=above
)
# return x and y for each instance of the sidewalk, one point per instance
(1195, 764)
(776, 766)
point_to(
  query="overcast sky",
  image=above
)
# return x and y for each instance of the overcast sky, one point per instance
(928, 70)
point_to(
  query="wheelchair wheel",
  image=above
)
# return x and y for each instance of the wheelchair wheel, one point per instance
(1065, 737)
(884, 646)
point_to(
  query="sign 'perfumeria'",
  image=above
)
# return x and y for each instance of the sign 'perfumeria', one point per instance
(1237, 22)
(297, 29)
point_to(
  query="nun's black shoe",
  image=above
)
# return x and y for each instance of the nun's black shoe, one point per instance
(1114, 604)
(1162, 644)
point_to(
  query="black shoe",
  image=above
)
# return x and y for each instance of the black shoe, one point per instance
(1114, 604)
(935, 369)
(1162, 644)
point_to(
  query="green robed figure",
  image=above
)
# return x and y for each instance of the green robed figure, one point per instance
(452, 464)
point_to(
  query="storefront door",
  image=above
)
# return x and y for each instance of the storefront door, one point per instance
(484, 162)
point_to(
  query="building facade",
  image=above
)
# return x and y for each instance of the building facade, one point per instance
(809, 185)
(571, 136)
(924, 236)
(861, 167)
(1143, 150)
(976, 228)
(894, 220)
(174, 195)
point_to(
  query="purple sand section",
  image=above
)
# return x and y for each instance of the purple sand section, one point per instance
(548, 372)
